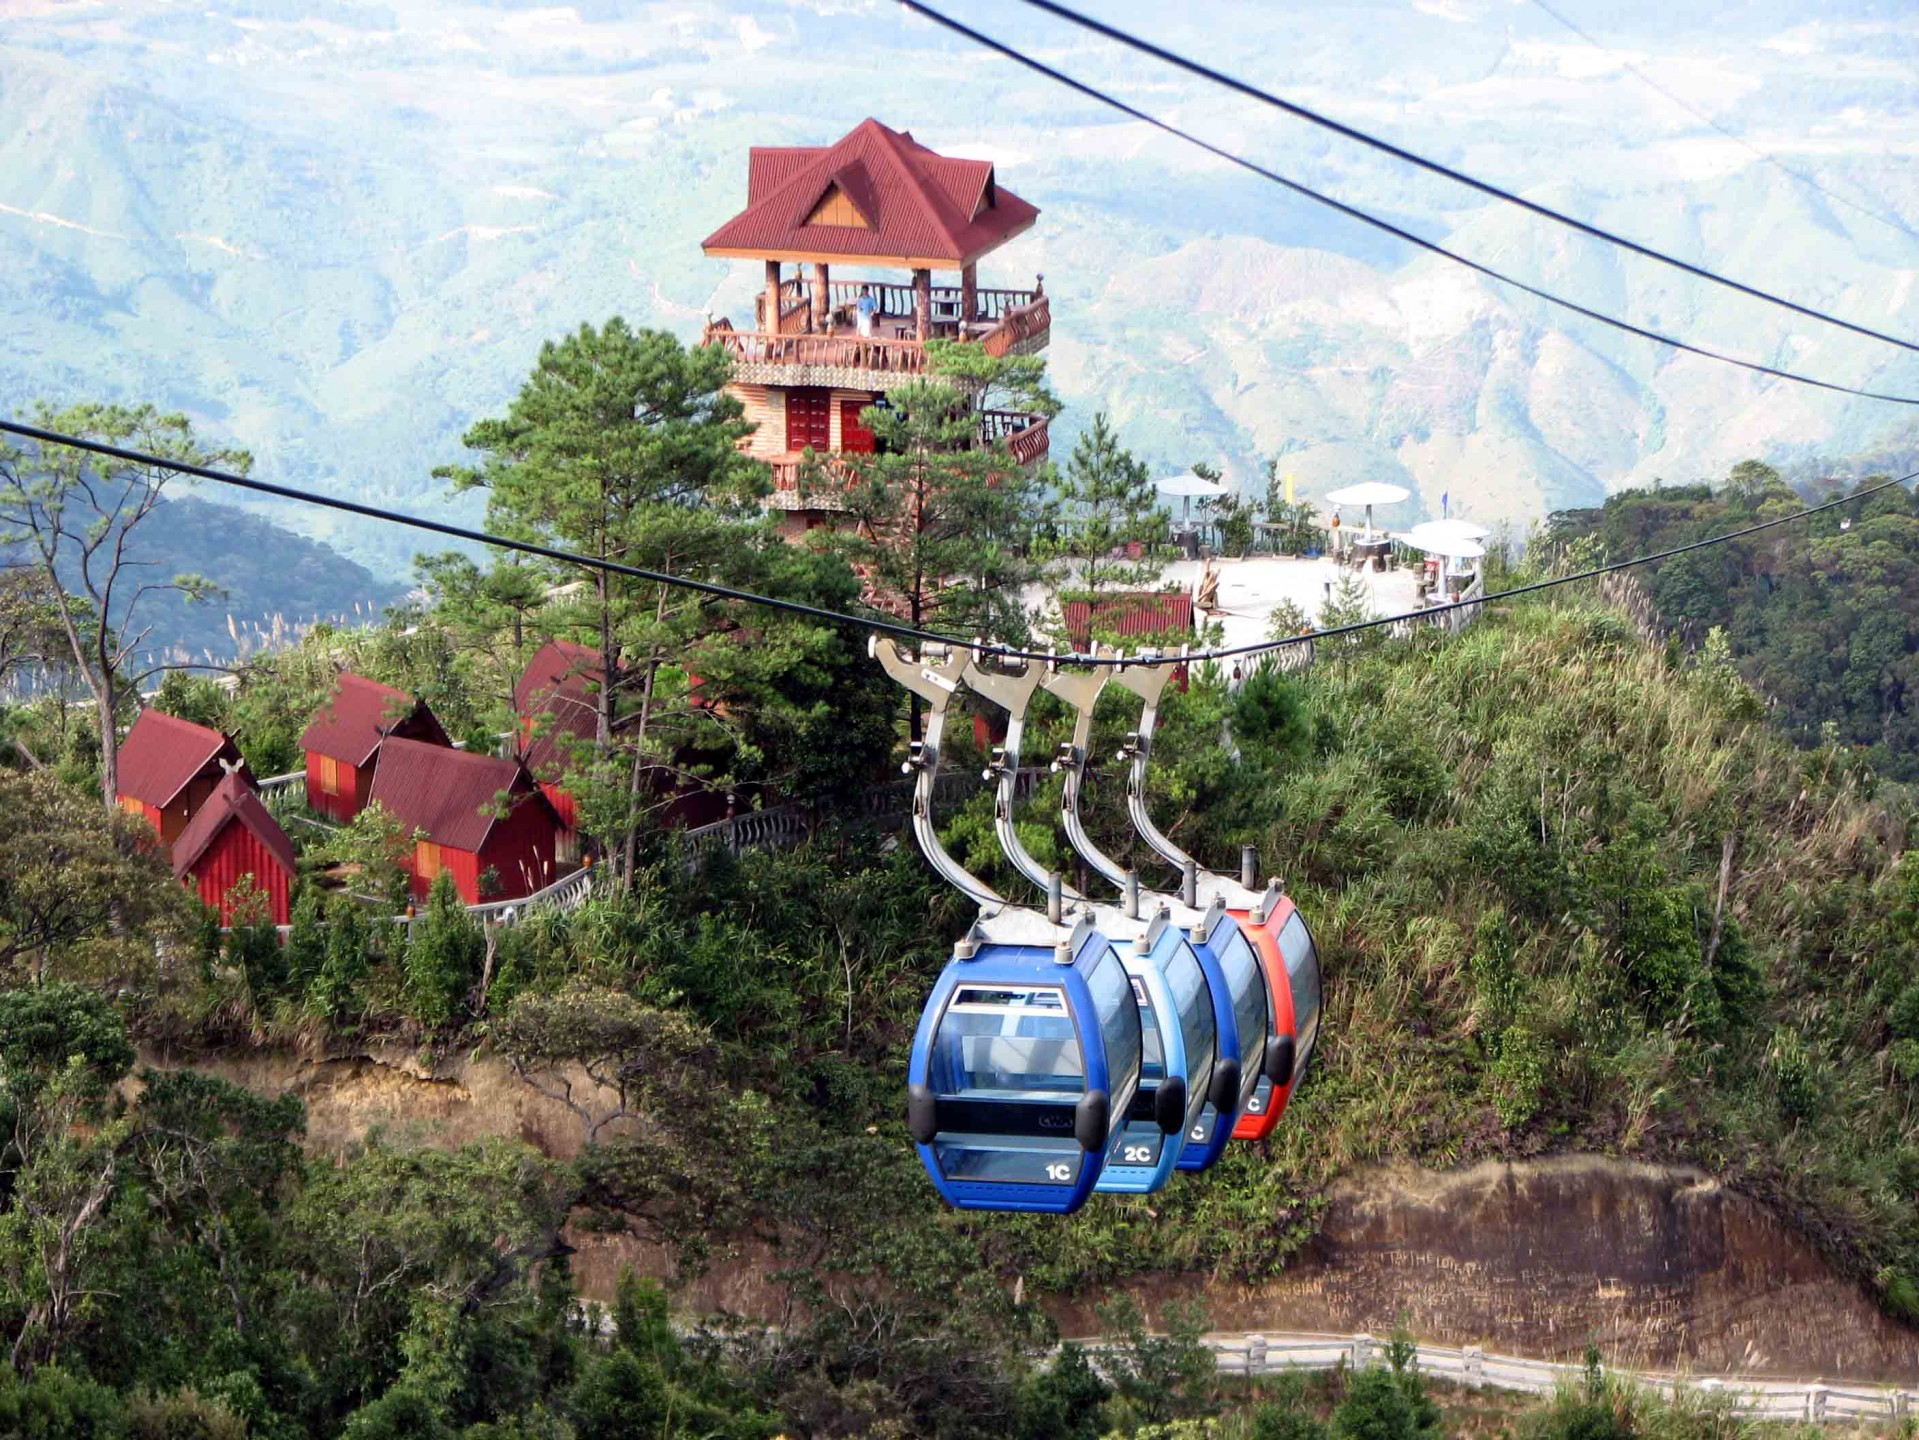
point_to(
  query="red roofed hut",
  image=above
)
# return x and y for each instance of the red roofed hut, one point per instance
(342, 743)
(478, 817)
(558, 701)
(819, 351)
(169, 768)
(233, 836)
(1164, 617)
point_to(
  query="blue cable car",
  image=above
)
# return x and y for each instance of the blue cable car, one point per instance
(1027, 1056)
(1178, 1038)
(1234, 990)
(1239, 1003)
(1025, 1066)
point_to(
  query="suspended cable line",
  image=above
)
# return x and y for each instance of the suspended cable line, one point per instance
(1884, 217)
(869, 622)
(1366, 217)
(1398, 152)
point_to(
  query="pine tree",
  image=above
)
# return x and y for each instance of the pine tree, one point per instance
(338, 990)
(306, 940)
(445, 954)
(1105, 503)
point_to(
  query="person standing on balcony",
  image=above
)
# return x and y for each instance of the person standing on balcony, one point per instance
(866, 309)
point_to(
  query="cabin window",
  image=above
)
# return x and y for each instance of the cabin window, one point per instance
(328, 771)
(836, 209)
(427, 862)
(132, 806)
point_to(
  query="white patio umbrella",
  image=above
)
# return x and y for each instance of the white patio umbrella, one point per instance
(1457, 529)
(1369, 493)
(1438, 537)
(1189, 487)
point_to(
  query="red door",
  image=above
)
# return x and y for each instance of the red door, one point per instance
(855, 438)
(809, 420)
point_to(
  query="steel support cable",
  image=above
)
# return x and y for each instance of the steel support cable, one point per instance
(1884, 217)
(873, 623)
(1366, 217)
(1398, 152)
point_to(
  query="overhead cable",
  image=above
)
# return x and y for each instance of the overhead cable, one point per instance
(1398, 152)
(872, 623)
(1366, 217)
(1884, 217)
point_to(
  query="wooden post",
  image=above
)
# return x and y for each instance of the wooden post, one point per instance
(772, 318)
(822, 306)
(969, 294)
(923, 304)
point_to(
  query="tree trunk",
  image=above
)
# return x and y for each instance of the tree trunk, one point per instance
(109, 744)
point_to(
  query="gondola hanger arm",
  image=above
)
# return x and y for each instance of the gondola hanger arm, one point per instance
(1013, 692)
(1149, 682)
(934, 677)
(1080, 690)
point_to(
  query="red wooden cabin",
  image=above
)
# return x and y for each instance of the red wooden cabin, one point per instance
(1160, 618)
(231, 836)
(170, 767)
(342, 743)
(557, 701)
(476, 816)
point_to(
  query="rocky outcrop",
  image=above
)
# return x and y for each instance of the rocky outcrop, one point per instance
(1663, 1267)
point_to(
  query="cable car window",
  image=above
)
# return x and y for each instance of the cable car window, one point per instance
(1194, 1002)
(1008, 1044)
(1120, 1027)
(1152, 1050)
(1302, 971)
(1241, 967)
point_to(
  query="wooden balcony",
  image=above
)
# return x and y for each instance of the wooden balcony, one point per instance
(1024, 436)
(1014, 322)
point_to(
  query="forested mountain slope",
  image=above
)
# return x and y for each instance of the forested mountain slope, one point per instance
(1818, 615)
(1572, 891)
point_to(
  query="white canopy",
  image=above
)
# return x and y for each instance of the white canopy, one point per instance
(1190, 487)
(1458, 529)
(1452, 547)
(1368, 492)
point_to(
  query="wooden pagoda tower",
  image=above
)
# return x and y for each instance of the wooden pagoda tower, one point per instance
(834, 327)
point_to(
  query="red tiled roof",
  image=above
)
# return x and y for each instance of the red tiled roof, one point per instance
(450, 795)
(162, 753)
(560, 693)
(919, 205)
(362, 712)
(232, 800)
(1144, 614)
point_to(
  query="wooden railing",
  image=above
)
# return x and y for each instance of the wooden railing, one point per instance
(1025, 437)
(844, 352)
(1017, 327)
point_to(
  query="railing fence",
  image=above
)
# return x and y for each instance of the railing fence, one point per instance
(1815, 1402)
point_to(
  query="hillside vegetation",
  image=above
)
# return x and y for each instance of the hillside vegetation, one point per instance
(1510, 844)
(1819, 615)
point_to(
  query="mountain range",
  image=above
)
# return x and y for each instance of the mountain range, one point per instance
(337, 231)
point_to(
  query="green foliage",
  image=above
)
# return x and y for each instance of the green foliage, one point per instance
(445, 955)
(372, 850)
(337, 990)
(1160, 1376)
(1814, 617)
(1063, 1401)
(1103, 502)
(83, 893)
